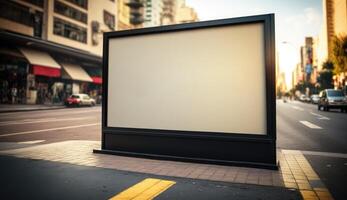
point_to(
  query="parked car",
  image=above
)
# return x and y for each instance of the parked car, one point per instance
(304, 98)
(331, 98)
(315, 98)
(79, 100)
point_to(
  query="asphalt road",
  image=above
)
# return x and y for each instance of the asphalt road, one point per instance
(320, 135)
(37, 179)
(26, 126)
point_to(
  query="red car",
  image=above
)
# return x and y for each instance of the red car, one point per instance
(79, 100)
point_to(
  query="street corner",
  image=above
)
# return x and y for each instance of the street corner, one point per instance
(42, 179)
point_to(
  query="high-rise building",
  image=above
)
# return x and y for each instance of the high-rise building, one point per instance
(186, 14)
(152, 12)
(123, 15)
(52, 48)
(169, 12)
(136, 12)
(307, 59)
(334, 24)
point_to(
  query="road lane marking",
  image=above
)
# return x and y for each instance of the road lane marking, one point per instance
(298, 108)
(55, 111)
(310, 125)
(31, 142)
(40, 121)
(50, 129)
(145, 190)
(320, 116)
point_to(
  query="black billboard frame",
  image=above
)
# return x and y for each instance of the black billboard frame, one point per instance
(251, 150)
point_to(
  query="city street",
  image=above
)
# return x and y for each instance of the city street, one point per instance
(322, 138)
(319, 135)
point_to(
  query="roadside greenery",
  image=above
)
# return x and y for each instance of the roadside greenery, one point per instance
(339, 54)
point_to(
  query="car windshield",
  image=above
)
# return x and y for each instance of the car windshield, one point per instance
(335, 93)
(75, 96)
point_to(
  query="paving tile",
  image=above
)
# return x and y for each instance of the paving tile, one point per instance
(294, 171)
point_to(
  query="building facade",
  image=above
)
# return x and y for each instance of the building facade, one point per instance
(123, 15)
(52, 48)
(334, 24)
(152, 12)
(136, 10)
(185, 14)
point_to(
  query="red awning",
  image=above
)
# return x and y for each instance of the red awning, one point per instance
(97, 79)
(46, 71)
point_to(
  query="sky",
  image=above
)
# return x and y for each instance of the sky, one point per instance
(294, 20)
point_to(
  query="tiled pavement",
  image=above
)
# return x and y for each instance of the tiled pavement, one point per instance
(295, 171)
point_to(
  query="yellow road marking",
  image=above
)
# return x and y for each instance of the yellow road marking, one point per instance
(145, 190)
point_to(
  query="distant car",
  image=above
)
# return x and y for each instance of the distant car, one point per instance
(79, 100)
(304, 98)
(331, 98)
(315, 98)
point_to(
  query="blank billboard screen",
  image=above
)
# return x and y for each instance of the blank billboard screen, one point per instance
(206, 80)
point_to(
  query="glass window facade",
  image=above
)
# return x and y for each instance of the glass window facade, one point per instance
(80, 3)
(70, 12)
(16, 12)
(69, 30)
(109, 20)
(38, 3)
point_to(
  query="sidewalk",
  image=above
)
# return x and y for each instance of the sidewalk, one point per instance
(295, 171)
(5, 108)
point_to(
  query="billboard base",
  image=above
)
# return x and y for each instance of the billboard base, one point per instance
(245, 152)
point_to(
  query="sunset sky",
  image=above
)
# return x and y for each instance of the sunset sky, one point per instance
(295, 19)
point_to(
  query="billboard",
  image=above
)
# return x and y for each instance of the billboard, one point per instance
(200, 85)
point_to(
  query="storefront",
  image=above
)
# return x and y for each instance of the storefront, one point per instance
(31, 71)
(13, 76)
(95, 88)
(75, 78)
(46, 72)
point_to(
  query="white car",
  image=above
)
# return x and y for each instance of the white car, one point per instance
(80, 100)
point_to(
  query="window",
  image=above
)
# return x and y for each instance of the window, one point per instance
(15, 12)
(69, 30)
(38, 3)
(109, 20)
(70, 12)
(80, 3)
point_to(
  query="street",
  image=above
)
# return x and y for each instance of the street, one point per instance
(319, 135)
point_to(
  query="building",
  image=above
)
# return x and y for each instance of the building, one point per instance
(334, 24)
(152, 12)
(281, 84)
(123, 15)
(185, 14)
(169, 12)
(306, 55)
(52, 48)
(298, 75)
(136, 9)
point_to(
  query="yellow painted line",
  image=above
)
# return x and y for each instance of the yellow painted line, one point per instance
(145, 190)
(301, 174)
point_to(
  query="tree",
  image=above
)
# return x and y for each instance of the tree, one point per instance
(339, 53)
(326, 75)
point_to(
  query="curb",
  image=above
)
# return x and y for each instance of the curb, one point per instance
(27, 110)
